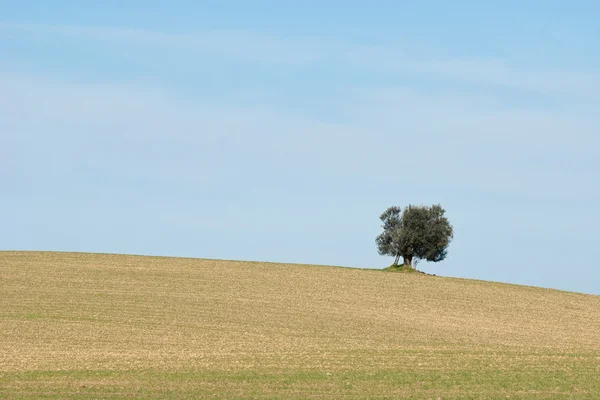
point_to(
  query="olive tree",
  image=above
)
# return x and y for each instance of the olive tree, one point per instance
(417, 233)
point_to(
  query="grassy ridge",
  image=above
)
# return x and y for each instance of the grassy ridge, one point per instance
(113, 326)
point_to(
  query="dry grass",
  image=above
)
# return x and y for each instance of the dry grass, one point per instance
(113, 326)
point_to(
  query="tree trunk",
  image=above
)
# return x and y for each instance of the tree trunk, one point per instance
(408, 262)
(397, 259)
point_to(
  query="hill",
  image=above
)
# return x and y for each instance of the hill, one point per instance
(76, 325)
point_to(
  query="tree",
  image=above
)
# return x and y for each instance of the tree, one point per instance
(419, 232)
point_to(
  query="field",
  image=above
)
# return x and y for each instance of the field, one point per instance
(79, 326)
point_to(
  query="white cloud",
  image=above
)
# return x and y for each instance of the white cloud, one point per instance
(481, 71)
(246, 45)
(262, 48)
(393, 135)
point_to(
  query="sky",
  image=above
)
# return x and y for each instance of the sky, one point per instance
(280, 131)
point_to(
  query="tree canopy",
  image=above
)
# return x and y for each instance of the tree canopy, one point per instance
(417, 233)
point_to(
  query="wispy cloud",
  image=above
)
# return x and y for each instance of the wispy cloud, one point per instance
(373, 122)
(246, 45)
(481, 71)
(270, 49)
(153, 133)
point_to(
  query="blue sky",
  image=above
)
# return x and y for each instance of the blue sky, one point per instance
(279, 131)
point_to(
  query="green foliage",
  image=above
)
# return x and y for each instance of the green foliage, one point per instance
(418, 232)
(401, 268)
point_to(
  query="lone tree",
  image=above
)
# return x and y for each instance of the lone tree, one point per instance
(419, 232)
